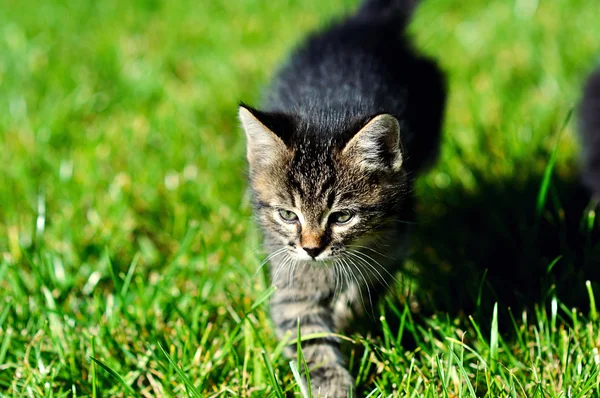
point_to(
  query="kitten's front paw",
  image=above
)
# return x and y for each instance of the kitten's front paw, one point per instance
(331, 382)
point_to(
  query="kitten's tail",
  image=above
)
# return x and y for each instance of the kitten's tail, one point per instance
(389, 9)
(590, 132)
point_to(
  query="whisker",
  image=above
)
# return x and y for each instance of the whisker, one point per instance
(405, 222)
(362, 260)
(280, 250)
(348, 282)
(361, 257)
(351, 274)
(378, 263)
(291, 284)
(269, 257)
(281, 265)
(335, 277)
(366, 285)
(373, 250)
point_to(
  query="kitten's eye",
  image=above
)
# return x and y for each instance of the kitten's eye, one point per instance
(341, 217)
(288, 216)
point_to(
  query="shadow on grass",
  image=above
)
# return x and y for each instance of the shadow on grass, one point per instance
(489, 247)
(494, 247)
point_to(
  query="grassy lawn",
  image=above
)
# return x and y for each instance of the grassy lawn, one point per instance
(128, 258)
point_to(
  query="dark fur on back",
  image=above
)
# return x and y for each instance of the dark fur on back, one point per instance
(590, 132)
(358, 68)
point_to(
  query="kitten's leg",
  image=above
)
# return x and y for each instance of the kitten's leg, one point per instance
(309, 298)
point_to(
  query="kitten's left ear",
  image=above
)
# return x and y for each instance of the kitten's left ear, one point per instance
(377, 145)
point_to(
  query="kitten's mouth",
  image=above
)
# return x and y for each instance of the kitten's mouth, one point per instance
(317, 262)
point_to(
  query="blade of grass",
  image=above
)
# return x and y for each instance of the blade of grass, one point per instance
(545, 185)
(299, 380)
(182, 375)
(114, 272)
(465, 375)
(5, 344)
(440, 372)
(272, 376)
(302, 360)
(94, 373)
(129, 276)
(116, 376)
(552, 264)
(593, 311)
(480, 290)
(494, 340)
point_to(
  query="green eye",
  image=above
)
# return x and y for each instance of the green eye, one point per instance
(288, 216)
(341, 217)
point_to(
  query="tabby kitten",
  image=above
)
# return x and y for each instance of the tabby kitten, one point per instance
(348, 123)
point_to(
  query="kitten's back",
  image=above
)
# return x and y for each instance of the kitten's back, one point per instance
(360, 67)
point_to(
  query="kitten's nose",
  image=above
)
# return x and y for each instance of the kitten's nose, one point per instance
(313, 251)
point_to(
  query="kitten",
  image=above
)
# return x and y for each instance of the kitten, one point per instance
(348, 123)
(590, 132)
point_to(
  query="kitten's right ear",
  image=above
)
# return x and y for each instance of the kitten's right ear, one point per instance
(263, 146)
(377, 144)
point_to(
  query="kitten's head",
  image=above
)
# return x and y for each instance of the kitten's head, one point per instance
(317, 194)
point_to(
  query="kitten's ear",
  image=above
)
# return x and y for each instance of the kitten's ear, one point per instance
(377, 145)
(263, 146)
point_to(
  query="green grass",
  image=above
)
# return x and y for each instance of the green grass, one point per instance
(128, 259)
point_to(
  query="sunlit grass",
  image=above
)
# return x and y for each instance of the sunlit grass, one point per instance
(128, 258)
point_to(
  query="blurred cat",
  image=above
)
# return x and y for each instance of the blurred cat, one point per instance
(590, 132)
(348, 123)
